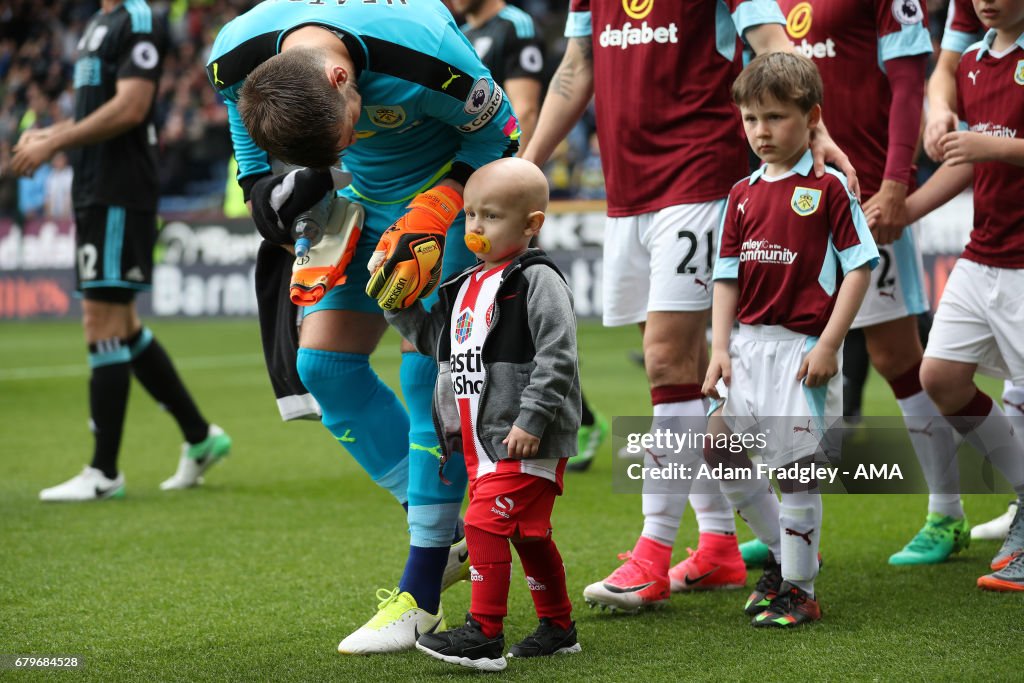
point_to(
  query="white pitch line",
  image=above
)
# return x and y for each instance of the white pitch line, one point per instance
(82, 369)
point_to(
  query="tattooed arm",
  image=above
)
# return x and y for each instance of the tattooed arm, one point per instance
(569, 93)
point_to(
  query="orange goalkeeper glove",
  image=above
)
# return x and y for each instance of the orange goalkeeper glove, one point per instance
(406, 265)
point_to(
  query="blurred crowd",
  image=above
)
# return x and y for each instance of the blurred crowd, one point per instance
(38, 46)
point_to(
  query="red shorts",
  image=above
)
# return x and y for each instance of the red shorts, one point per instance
(512, 504)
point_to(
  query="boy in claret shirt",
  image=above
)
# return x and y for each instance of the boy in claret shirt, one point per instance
(793, 265)
(508, 397)
(980, 316)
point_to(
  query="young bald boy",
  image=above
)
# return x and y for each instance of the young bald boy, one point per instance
(508, 396)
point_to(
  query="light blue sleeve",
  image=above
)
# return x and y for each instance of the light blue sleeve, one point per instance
(751, 13)
(727, 268)
(578, 25)
(953, 40)
(251, 159)
(912, 39)
(866, 252)
(958, 41)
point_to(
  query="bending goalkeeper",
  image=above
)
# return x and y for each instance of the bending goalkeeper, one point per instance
(397, 91)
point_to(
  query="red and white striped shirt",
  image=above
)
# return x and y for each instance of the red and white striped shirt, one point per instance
(471, 319)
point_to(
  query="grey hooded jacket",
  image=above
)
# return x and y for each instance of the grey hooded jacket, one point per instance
(529, 358)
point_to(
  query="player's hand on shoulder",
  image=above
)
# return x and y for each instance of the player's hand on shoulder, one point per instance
(521, 444)
(825, 150)
(819, 366)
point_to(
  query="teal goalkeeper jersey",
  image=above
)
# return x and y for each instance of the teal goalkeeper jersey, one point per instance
(429, 106)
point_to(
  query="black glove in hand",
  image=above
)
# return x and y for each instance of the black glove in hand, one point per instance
(278, 200)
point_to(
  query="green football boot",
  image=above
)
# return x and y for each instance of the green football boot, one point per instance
(590, 439)
(754, 553)
(940, 537)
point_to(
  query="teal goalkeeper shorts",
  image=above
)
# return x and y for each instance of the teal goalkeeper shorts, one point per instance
(351, 296)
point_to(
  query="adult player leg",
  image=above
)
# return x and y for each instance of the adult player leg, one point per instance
(888, 319)
(657, 273)
(115, 251)
(996, 529)
(976, 327)
(408, 468)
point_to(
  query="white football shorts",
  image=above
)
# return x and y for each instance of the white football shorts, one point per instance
(897, 284)
(660, 261)
(980, 319)
(765, 397)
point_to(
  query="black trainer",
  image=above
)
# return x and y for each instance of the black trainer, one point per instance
(792, 607)
(766, 589)
(466, 646)
(547, 640)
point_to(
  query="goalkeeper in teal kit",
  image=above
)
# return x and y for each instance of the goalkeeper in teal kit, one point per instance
(394, 91)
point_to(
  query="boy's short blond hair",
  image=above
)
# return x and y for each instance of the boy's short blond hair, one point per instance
(788, 78)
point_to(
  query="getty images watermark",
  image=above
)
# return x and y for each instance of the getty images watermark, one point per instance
(878, 455)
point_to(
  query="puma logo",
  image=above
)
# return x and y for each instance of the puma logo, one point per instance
(973, 75)
(742, 206)
(702, 284)
(656, 458)
(891, 295)
(926, 430)
(803, 429)
(806, 536)
(347, 437)
(216, 77)
(1018, 406)
(433, 450)
(444, 86)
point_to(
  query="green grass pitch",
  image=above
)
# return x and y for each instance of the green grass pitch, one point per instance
(260, 573)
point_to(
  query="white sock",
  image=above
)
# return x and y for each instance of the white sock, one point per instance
(800, 525)
(713, 511)
(758, 506)
(1013, 400)
(664, 510)
(995, 439)
(1013, 406)
(935, 443)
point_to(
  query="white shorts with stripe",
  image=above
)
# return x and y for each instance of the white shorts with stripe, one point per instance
(659, 261)
(897, 284)
(980, 319)
(765, 397)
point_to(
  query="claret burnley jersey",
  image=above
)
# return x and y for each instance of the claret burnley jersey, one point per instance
(788, 241)
(663, 70)
(990, 96)
(850, 41)
(963, 27)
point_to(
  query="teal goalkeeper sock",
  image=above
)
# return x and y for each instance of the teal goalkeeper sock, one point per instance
(362, 413)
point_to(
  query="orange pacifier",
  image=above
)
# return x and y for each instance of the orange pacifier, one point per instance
(478, 244)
